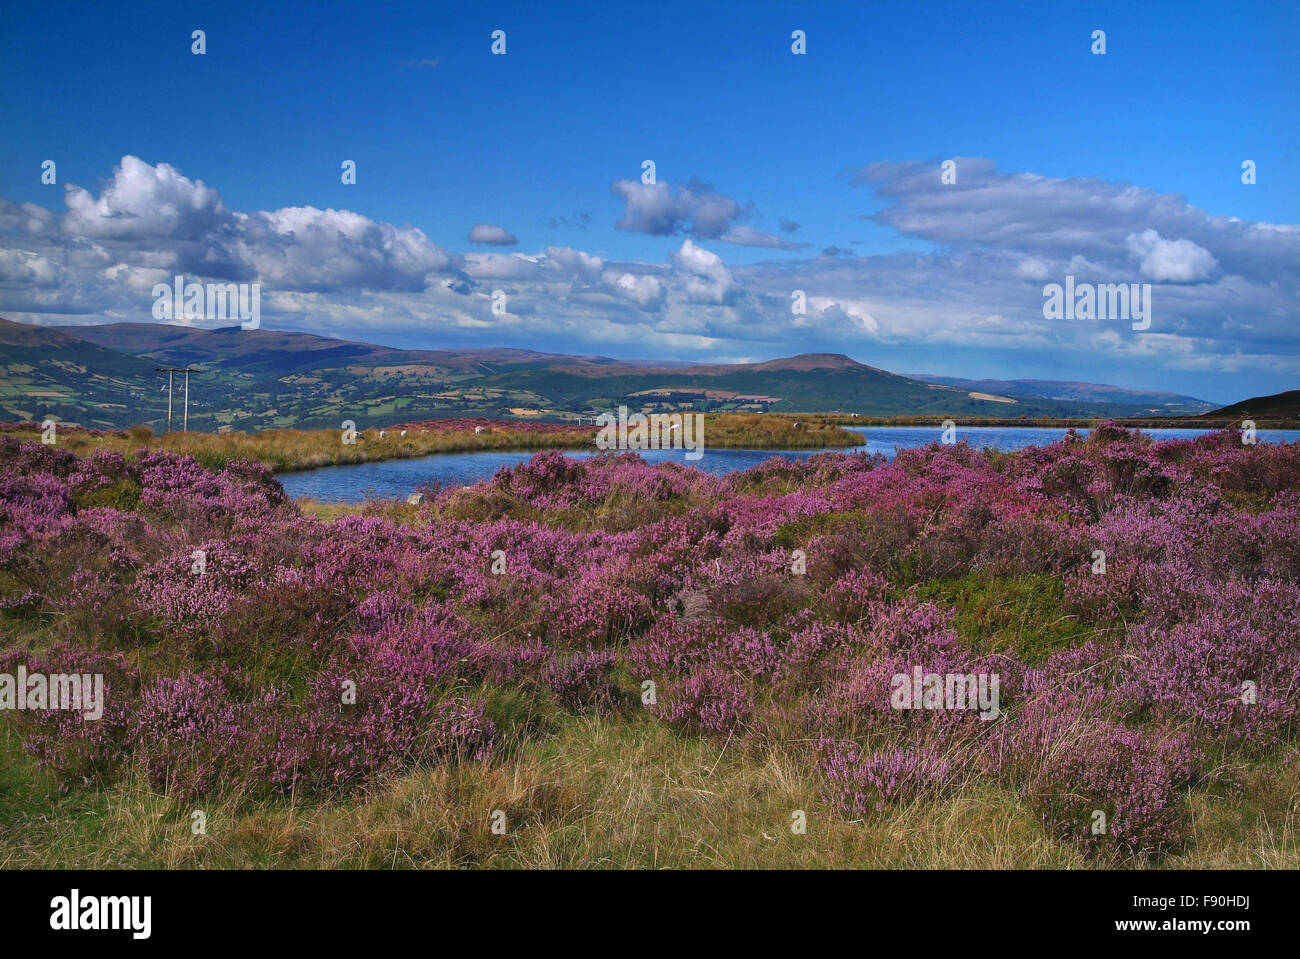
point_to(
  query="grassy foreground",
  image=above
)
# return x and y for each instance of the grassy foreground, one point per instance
(595, 793)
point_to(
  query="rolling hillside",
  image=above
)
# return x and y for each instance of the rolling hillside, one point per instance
(1279, 406)
(46, 372)
(258, 379)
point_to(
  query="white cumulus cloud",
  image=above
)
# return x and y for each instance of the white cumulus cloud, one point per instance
(1171, 261)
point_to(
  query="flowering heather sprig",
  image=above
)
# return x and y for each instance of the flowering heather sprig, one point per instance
(858, 782)
(709, 701)
(193, 604)
(582, 681)
(192, 737)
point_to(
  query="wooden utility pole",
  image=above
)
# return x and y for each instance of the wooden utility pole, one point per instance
(171, 371)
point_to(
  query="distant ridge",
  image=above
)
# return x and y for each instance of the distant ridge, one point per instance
(1278, 406)
(1154, 402)
(104, 376)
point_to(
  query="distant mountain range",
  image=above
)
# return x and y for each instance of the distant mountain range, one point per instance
(1152, 402)
(104, 376)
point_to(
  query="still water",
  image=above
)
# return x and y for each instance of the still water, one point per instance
(399, 478)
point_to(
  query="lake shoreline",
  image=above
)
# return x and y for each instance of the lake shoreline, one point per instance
(397, 479)
(843, 421)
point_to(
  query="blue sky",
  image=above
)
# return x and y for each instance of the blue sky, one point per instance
(1065, 161)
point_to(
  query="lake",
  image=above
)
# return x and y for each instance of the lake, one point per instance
(389, 479)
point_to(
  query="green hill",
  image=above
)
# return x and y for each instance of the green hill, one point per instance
(46, 372)
(256, 379)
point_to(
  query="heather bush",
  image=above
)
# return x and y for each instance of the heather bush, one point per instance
(75, 749)
(858, 782)
(193, 736)
(1132, 777)
(582, 681)
(708, 701)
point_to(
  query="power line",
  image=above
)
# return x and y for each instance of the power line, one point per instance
(171, 371)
